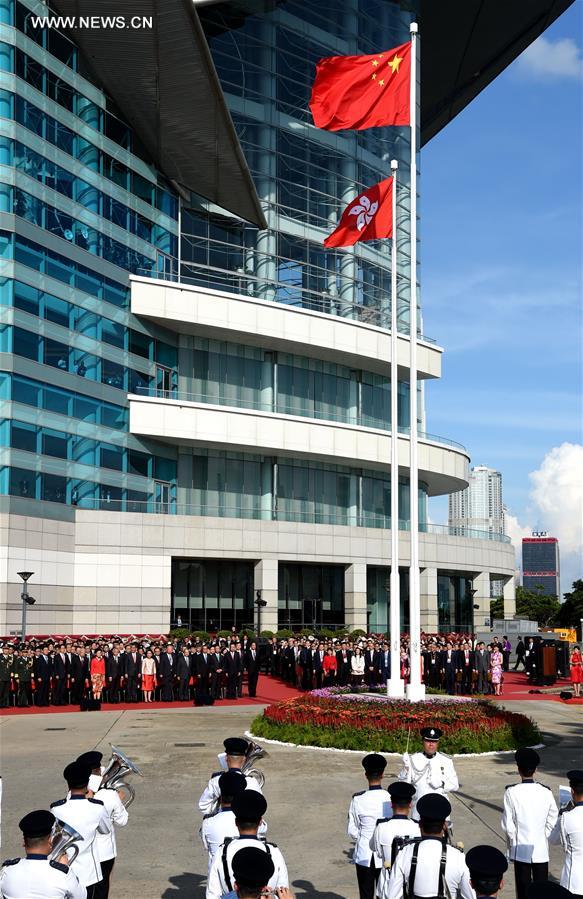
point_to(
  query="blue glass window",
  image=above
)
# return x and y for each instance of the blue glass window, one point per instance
(23, 436)
(55, 443)
(25, 344)
(53, 488)
(111, 456)
(22, 483)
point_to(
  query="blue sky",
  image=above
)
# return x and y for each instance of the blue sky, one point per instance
(501, 279)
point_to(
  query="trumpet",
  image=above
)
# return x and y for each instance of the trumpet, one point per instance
(120, 766)
(65, 838)
(253, 754)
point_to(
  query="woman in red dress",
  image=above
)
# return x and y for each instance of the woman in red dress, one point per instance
(97, 672)
(329, 667)
(576, 670)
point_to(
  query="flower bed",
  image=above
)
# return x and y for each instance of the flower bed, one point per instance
(340, 719)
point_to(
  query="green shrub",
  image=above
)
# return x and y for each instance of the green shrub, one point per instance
(326, 633)
(224, 633)
(179, 633)
(307, 632)
(248, 632)
(283, 634)
(354, 635)
(200, 635)
(268, 635)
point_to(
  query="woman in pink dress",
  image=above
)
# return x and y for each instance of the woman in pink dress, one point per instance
(576, 670)
(496, 665)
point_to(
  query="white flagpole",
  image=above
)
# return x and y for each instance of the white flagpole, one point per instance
(395, 684)
(415, 689)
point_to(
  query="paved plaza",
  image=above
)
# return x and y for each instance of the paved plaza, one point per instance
(308, 792)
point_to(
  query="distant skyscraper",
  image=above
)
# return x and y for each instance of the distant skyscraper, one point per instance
(480, 508)
(540, 563)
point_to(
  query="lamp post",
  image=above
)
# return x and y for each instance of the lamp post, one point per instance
(27, 600)
(260, 603)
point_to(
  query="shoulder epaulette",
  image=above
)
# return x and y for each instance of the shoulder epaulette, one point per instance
(382, 820)
(96, 801)
(10, 861)
(507, 787)
(360, 793)
(545, 786)
(210, 815)
(59, 867)
(58, 802)
(275, 846)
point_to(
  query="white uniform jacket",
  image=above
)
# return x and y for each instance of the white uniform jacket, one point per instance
(381, 842)
(568, 831)
(428, 775)
(37, 878)
(87, 816)
(457, 876)
(217, 827)
(530, 813)
(106, 844)
(220, 879)
(212, 792)
(365, 810)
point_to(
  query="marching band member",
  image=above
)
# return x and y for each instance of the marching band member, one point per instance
(88, 816)
(219, 825)
(530, 814)
(105, 842)
(430, 867)
(36, 877)
(487, 867)
(399, 824)
(569, 832)
(366, 808)
(429, 771)
(234, 757)
(249, 808)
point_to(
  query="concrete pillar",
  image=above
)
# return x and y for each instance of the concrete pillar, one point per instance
(429, 612)
(265, 578)
(510, 599)
(355, 605)
(481, 599)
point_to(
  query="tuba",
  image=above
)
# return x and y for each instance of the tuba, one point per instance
(253, 754)
(120, 766)
(64, 837)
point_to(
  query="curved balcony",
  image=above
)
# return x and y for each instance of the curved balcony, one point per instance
(443, 467)
(239, 318)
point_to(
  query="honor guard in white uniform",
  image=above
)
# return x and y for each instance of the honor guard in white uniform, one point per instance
(221, 824)
(487, 867)
(430, 868)
(389, 832)
(429, 771)
(88, 817)
(249, 808)
(234, 759)
(118, 815)
(529, 816)
(568, 831)
(252, 870)
(366, 807)
(35, 877)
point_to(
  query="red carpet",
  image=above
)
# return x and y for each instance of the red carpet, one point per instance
(516, 687)
(268, 690)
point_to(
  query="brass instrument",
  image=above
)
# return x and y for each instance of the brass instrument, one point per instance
(253, 754)
(117, 769)
(65, 838)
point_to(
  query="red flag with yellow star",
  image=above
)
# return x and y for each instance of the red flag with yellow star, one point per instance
(360, 92)
(368, 217)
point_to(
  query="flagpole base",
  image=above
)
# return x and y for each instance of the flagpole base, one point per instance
(396, 688)
(416, 692)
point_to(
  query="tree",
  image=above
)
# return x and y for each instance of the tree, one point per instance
(535, 606)
(571, 611)
(497, 608)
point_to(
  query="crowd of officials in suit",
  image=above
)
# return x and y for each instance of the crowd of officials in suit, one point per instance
(71, 670)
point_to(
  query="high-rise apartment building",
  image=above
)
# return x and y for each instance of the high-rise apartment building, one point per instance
(195, 390)
(540, 564)
(480, 505)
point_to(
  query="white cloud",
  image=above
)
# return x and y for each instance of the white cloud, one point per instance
(555, 59)
(556, 506)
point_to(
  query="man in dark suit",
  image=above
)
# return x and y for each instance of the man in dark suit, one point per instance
(204, 672)
(371, 664)
(167, 673)
(431, 666)
(216, 667)
(482, 663)
(42, 676)
(252, 666)
(60, 673)
(343, 657)
(385, 663)
(132, 672)
(113, 674)
(448, 667)
(78, 673)
(466, 662)
(232, 666)
(183, 673)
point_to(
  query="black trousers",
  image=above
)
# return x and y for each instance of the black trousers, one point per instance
(101, 889)
(4, 693)
(252, 683)
(526, 873)
(367, 880)
(132, 688)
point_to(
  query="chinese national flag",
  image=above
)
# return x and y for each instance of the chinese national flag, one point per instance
(368, 217)
(360, 92)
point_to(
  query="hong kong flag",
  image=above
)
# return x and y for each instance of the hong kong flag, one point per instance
(368, 217)
(360, 92)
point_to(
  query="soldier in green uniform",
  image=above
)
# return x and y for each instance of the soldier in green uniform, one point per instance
(6, 664)
(23, 663)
